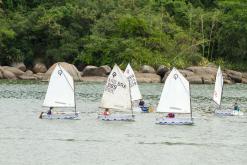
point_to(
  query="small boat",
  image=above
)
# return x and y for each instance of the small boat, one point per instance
(60, 94)
(117, 97)
(175, 99)
(134, 89)
(217, 97)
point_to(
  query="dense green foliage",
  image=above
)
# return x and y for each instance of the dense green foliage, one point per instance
(97, 32)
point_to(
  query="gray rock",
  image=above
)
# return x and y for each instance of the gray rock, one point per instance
(8, 75)
(19, 65)
(28, 72)
(234, 75)
(39, 68)
(95, 71)
(162, 70)
(208, 79)
(1, 74)
(147, 69)
(147, 77)
(244, 80)
(15, 71)
(195, 79)
(107, 69)
(199, 70)
(71, 69)
(186, 73)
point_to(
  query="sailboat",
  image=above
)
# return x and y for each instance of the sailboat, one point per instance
(117, 97)
(60, 94)
(217, 96)
(134, 89)
(175, 98)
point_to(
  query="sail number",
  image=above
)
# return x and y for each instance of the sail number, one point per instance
(132, 80)
(112, 85)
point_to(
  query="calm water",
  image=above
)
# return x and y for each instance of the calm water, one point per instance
(25, 139)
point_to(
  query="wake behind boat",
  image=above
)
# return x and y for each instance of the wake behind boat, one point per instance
(175, 98)
(60, 94)
(116, 97)
(217, 97)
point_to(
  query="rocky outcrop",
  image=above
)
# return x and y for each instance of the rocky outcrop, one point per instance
(71, 69)
(8, 74)
(147, 69)
(147, 77)
(94, 79)
(200, 70)
(96, 71)
(195, 79)
(1, 74)
(15, 71)
(19, 65)
(39, 68)
(244, 78)
(234, 75)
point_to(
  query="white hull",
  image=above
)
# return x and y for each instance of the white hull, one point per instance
(228, 113)
(62, 115)
(174, 121)
(117, 117)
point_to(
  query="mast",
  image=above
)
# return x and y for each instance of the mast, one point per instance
(190, 105)
(130, 99)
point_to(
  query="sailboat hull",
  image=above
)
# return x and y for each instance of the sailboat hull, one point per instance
(228, 113)
(117, 117)
(62, 115)
(174, 121)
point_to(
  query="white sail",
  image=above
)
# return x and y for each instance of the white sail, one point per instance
(116, 93)
(134, 89)
(175, 96)
(218, 87)
(60, 92)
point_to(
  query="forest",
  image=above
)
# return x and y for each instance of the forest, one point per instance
(177, 33)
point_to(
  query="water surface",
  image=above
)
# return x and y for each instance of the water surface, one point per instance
(25, 139)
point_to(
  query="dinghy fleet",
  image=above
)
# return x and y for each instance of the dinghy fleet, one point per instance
(121, 96)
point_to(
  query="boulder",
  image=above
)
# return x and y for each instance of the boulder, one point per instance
(227, 81)
(8, 75)
(147, 77)
(234, 75)
(96, 71)
(106, 68)
(199, 70)
(15, 71)
(39, 68)
(1, 74)
(94, 79)
(244, 75)
(208, 79)
(71, 69)
(185, 72)
(162, 70)
(244, 80)
(195, 79)
(39, 76)
(147, 69)
(28, 72)
(19, 65)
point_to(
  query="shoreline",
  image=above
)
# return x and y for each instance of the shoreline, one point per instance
(147, 74)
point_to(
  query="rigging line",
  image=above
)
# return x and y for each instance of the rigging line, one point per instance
(66, 78)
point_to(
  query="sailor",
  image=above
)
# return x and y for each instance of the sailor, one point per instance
(141, 103)
(170, 115)
(106, 112)
(236, 108)
(49, 111)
